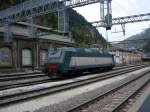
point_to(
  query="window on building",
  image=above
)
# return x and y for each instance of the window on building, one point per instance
(26, 57)
(5, 56)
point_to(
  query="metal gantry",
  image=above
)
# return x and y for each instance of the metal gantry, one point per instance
(39, 7)
(63, 21)
(29, 8)
(124, 20)
(33, 8)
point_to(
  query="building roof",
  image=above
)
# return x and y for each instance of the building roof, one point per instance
(22, 29)
(119, 49)
(124, 50)
(56, 37)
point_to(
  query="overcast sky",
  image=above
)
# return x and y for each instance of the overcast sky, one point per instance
(119, 8)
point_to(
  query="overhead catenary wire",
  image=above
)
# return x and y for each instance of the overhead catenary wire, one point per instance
(136, 9)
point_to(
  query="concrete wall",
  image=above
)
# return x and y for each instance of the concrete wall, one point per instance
(124, 57)
(12, 56)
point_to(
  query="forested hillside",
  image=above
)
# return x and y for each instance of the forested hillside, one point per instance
(83, 32)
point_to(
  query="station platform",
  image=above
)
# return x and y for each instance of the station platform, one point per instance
(146, 105)
(143, 103)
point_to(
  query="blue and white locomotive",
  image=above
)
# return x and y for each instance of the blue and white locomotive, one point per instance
(70, 60)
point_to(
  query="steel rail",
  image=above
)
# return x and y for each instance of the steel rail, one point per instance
(18, 74)
(117, 106)
(35, 78)
(30, 75)
(2, 79)
(26, 95)
(130, 96)
(21, 81)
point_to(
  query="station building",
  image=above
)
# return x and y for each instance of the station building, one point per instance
(123, 56)
(24, 52)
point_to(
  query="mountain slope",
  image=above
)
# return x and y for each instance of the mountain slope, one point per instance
(138, 41)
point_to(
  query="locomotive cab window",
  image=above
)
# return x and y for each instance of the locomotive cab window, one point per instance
(55, 55)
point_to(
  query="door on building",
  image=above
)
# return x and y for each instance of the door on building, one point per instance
(43, 57)
(26, 57)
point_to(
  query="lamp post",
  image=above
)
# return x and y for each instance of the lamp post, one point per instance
(34, 39)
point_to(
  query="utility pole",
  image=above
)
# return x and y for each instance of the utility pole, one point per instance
(63, 19)
(106, 17)
(106, 13)
(32, 35)
(107, 46)
(7, 32)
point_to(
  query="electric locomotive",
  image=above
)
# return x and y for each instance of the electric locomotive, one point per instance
(64, 61)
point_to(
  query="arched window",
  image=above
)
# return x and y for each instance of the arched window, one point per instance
(5, 56)
(26, 57)
(43, 56)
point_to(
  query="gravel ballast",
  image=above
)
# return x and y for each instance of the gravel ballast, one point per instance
(60, 102)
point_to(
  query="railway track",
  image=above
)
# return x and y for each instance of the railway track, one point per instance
(8, 96)
(26, 79)
(114, 100)
(13, 82)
